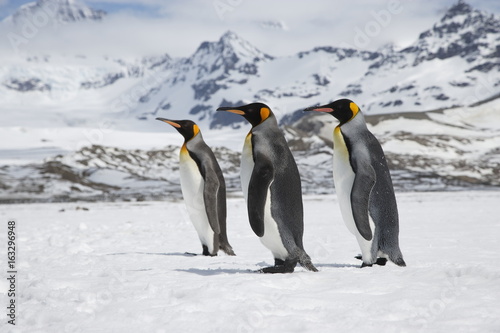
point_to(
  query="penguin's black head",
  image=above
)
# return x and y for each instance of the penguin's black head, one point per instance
(342, 109)
(254, 113)
(187, 128)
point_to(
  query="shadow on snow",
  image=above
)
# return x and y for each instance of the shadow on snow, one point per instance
(208, 272)
(181, 254)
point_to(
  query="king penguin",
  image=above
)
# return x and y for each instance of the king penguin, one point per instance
(364, 186)
(203, 188)
(271, 185)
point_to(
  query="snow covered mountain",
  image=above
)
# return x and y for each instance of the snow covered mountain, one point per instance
(454, 63)
(427, 151)
(433, 105)
(62, 11)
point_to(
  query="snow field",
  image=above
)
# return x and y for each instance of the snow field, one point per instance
(121, 267)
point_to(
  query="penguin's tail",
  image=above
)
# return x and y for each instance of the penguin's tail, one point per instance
(397, 258)
(399, 261)
(228, 250)
(224, 246)
(305, 260)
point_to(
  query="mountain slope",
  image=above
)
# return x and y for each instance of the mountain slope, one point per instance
(454, 63)
(427, 151)
(79, 127)
(55, 11)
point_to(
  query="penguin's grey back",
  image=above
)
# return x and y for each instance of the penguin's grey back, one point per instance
(286, 191)
(204, 157)
(363, 145)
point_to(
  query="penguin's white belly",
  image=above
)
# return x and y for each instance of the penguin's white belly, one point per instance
(271, 238)
(192, 185)
(343, 176)
(247, 164)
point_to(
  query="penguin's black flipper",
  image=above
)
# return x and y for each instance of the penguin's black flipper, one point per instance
(360, 198)
(210, 197)
(260, 181)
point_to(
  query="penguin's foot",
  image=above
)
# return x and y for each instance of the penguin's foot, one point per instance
(277, 269)
(280, 266)
(207, 253)
(379, 261)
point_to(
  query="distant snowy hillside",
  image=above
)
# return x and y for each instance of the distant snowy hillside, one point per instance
(62, 11)
(428, 151)
(455, 63)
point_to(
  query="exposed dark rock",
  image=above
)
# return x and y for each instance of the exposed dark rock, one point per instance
(27, 85)
(320, 80)
(352, 90)
(222, 119)
(342, 53)
(485, 67)
(441, 97)
(106, 81)
(204, 90)
(200, 108)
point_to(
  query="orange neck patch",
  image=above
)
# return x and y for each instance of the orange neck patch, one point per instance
(354, 109)
(264, 114)
(184, 149)
(196, 130)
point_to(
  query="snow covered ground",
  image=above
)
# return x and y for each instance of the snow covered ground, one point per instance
(121, 267)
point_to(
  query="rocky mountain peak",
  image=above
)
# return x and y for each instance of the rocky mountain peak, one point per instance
(459, 17)
(58, 10)
(229, 52)
(231, 42)
(458, 9)
(462, 31)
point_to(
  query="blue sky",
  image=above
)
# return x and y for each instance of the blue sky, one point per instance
(279, 27)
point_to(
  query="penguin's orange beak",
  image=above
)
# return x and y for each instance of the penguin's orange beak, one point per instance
(169, 122)
(232, 110)
(323, 108)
